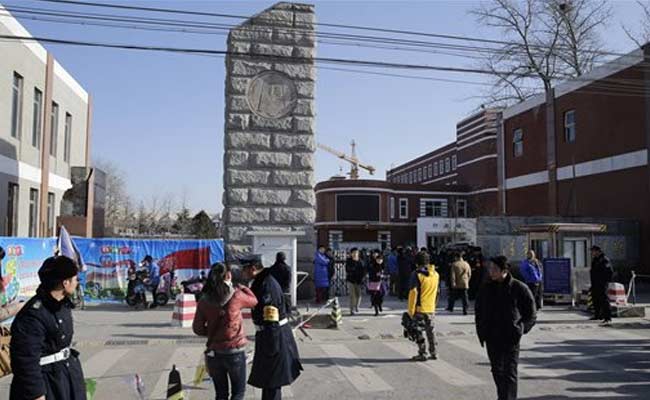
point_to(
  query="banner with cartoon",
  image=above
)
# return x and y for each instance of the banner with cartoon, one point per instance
(23, 258)
(106, 262)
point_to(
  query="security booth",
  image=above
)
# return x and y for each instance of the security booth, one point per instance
(564, 249)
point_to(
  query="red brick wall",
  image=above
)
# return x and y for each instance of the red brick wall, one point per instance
(533, 159)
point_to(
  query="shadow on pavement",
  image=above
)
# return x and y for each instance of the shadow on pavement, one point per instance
(620, 364)
(352, 362)
(159, 336)
(147, 325)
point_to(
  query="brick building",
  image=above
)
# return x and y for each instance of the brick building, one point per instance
(579, 152)
(364, 213)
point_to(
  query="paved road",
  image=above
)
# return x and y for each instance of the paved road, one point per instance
(565, 357)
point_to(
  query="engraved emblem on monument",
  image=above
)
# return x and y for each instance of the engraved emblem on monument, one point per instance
(271, 94)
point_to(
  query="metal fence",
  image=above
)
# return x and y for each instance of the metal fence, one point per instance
(339, 287)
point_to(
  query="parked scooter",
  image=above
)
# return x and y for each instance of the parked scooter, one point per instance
(136, 293)
(167, 289)
(194, 286)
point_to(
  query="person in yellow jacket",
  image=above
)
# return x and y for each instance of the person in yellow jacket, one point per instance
(422, 304)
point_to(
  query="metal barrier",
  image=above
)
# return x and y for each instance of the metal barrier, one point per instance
(339, 285)
(631, 290)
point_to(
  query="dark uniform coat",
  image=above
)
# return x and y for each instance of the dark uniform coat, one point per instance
(44, 327)
(276, 362)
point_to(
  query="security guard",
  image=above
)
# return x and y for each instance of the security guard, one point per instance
(276, 362)
(44, 365)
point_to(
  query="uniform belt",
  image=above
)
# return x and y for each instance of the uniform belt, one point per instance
(281, 323)
(56, 357)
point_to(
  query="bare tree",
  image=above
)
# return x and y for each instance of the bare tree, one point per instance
(542, 41)
(641, 34)
(118, 212)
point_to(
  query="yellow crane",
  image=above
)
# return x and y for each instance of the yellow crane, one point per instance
(355, 164)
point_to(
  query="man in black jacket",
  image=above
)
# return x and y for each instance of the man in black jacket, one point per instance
(354, 274)
(601, 274)
(505, 311)
(44, 365)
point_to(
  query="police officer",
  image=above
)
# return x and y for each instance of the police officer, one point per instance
(276, 362)
(44, 365)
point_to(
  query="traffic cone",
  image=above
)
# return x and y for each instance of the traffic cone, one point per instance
(336, 316)
(590, 302)
(174, 385)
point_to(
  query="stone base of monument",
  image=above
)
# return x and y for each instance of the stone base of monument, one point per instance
(628, 311)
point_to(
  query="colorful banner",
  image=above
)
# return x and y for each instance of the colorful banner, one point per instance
(107, 262)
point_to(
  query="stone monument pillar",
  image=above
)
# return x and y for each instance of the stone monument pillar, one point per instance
(269, 129)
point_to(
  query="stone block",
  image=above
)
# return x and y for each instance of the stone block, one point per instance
(305, 197)
(272, 50)
(270, 197)
(305, 89)
(293, 215)
(294, 37)
(240, 140)
(294, 142)
(281, 124)
(290, 178)
(303, 71)
(236, 233)
(236, 158)
(241, 67)
(247, 178)
(304, 124)
(304, 20)
(271, 160)
(253, 33)
(239, 47)
(237, 121)
(274, 17)
(304, 107)
(239, 85)
(303, 161)
(241, 215)
(294, 7)
(237, 104)
(304, 52)
(237, 196)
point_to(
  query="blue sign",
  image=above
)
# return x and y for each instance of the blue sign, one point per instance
(557, 276)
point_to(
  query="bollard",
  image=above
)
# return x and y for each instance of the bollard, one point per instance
(336, 315)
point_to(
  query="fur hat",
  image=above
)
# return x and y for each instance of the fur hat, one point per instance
(57, 269)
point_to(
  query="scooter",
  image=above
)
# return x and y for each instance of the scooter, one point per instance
(193, 286)
(167, 289)
(137, 289)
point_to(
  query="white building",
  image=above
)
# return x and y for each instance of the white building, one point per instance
(44, 131)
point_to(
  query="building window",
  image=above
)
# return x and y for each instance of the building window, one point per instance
(33, 212)
(461, 208)
(419, 174)
(435, 169)
(67, 137)
(433, 208)
(37, 118)
(570, 126)
(392, 208)
(54, 129)
(441, 165)
(17, 106)
(12, 210)
(447, 165)
(50, 214)
(403, 208)
(454, 162)
(518, 143)
(430, 171)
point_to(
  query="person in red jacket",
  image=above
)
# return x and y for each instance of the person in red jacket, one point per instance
(218, 317)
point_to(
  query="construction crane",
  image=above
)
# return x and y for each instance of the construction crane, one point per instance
(352, 159)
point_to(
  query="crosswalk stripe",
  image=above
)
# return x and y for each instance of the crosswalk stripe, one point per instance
(440, 368)
(186, 359)
(100, 363)
(362, 378)
(524, 367)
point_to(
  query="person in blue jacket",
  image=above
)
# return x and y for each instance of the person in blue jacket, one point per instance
(154, 276)
(531, 272)
(321, 274)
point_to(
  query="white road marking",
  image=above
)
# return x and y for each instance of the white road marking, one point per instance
(97, 365)
(362, 378)
(440, 368)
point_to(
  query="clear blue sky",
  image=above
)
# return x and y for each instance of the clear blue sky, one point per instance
(160, 116)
